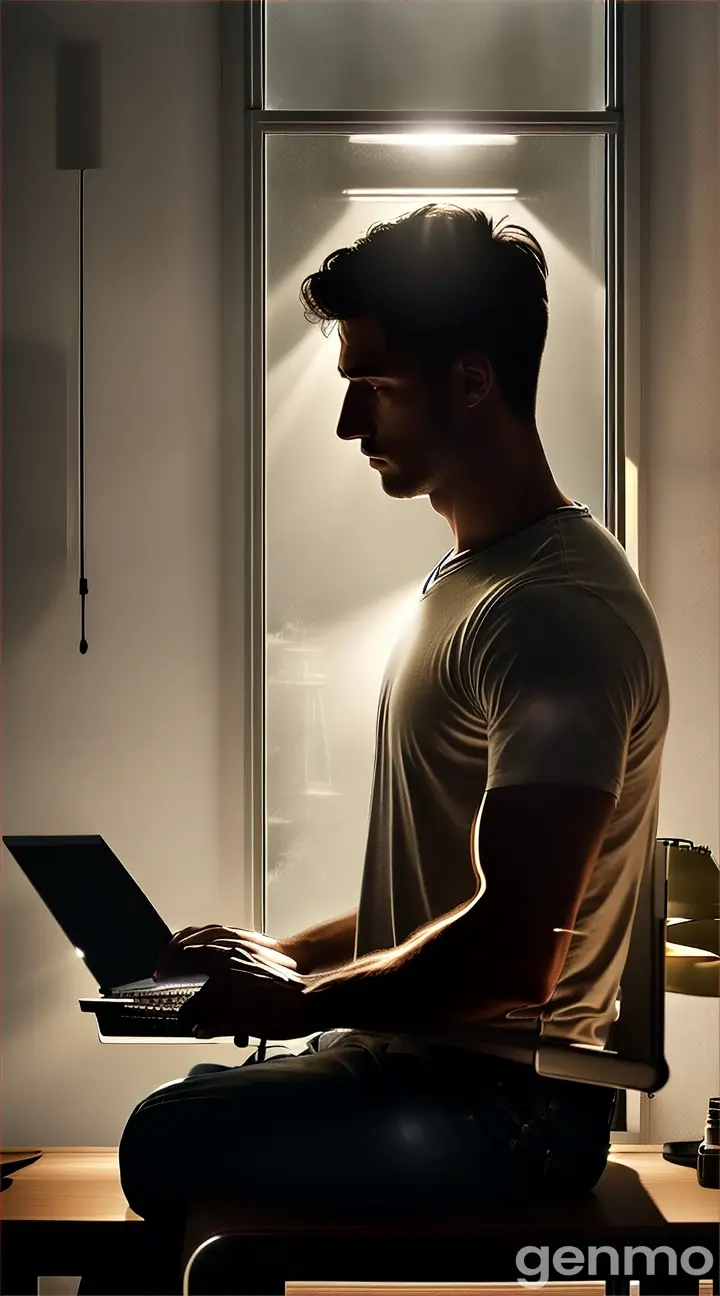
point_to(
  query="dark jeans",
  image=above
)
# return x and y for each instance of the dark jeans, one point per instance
(356, 1127)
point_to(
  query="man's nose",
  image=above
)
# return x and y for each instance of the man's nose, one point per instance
(355, 420)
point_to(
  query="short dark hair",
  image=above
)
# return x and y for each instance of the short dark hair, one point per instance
(439, 279)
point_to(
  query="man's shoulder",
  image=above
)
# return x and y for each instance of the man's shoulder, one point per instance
(559, 622)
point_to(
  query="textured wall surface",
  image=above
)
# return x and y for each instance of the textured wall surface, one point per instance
(125, 741)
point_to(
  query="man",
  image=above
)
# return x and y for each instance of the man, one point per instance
(520, 731)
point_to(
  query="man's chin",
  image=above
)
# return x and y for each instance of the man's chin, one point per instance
(398, 486)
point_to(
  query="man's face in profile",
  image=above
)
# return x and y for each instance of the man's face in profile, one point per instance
(403, 419)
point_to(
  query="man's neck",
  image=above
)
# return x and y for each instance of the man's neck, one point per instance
(503, 485)
(480, 518)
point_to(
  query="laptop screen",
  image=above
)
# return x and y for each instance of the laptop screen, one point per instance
(99, 906)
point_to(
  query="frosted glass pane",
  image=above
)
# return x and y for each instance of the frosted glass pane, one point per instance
(435, 54)
(344, 561)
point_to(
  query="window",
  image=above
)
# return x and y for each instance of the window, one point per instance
(526, 89)
(435, 54)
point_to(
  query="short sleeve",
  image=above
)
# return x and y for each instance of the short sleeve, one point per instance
(558, 677)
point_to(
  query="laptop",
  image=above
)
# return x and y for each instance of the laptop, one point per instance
(117, 933)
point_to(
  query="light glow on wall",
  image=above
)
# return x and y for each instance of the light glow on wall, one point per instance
(632, 522)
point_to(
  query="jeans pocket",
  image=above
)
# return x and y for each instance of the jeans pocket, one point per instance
(530, 1118)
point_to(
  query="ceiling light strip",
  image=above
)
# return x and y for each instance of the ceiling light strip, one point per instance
(436, 139)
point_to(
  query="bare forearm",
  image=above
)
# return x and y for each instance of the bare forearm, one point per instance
(323, 947)
(442, 975)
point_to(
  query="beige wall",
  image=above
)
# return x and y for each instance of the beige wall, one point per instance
(128, 741)
(681, 465)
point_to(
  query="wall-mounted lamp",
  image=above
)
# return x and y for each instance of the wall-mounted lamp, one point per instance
(692, 963)
(77, 144)
(692, 955)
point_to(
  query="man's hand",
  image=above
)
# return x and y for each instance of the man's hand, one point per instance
(237, 998)
(265, 951)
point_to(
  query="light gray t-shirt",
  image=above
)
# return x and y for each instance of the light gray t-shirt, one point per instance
(537, 659)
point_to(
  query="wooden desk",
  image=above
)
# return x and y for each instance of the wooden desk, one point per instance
(637, 1188)
(61, 1211)
(68, 1205)
(674, 1191)
(641, 1200)
(69, 1184)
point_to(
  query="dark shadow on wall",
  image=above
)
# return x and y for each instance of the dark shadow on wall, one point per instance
(34, 483)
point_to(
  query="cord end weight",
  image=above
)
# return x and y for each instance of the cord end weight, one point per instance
(83, 595)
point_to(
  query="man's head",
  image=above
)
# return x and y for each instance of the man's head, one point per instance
(443, 320)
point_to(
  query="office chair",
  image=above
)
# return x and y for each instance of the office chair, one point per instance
(634, 1057)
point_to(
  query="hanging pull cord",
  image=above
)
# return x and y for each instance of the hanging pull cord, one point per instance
(83, 585)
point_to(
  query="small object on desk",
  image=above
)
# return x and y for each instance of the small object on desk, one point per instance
(682, 1152)
(708, 1166)
(708, 1156)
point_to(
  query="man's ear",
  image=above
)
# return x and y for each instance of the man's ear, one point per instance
(476, 373)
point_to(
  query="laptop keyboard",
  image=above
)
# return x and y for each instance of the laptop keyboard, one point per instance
(148, 1013)
(145, 1014)
(161, 1000)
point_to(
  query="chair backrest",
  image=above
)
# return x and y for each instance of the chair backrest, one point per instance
(634, 1057)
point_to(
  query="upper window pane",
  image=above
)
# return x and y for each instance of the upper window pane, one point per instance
(505, 55)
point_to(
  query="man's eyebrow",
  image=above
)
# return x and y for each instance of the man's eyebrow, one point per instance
(361, 373)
